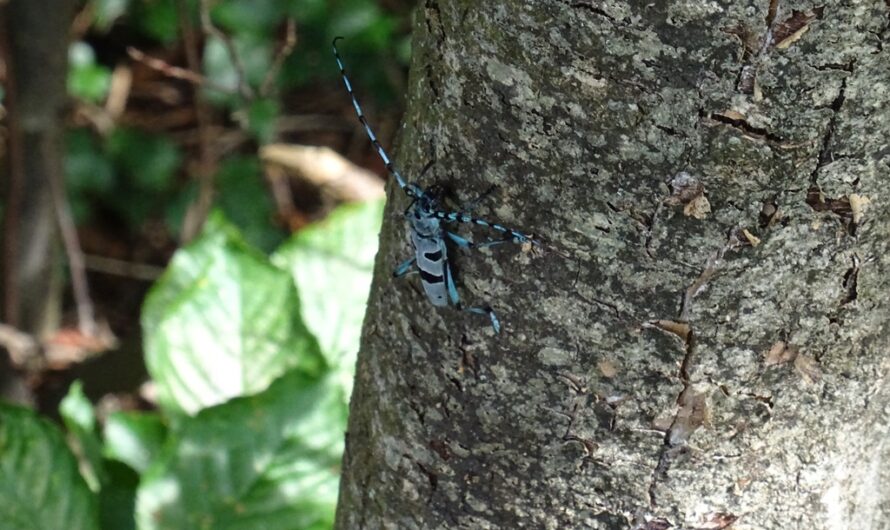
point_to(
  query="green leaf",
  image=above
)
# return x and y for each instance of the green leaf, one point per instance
(255, 54)
(222, 322)
(117, 500)
(176, 207)
(134, 438)
(364, 21)
(332, 264)
(86, 79)
(308, 11)
(257, 16)
(262, 119)
(88, 172)
(264, 462)
(80, 420)
(107, 11)
(244, 199)
(86, 167)
(40, 487)
(157, 19)
(149, 159)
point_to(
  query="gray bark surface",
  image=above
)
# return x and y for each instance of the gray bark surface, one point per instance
(705, 343)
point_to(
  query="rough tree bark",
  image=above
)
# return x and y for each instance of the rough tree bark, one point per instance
(34, 47)
(712, 349)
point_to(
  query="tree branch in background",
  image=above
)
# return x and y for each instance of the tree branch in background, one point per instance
(186, 74)
(35, 43)
(86, 319)
(290, 41)
(211, 30)
(207, 160)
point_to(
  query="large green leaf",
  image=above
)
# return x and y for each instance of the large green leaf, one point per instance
(260, 463)
(40, 487)
(332, 264)
(222, 322)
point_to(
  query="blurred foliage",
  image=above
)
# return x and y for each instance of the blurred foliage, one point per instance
(222, 322)
(136, 174)
(87, 80)
(253, 401)
(251, 334)
(40, 486)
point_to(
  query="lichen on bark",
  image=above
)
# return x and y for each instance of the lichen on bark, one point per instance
(703, 343)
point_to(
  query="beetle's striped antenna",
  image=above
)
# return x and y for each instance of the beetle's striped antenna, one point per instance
(411, 189)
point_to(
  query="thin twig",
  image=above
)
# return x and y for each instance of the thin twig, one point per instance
(210, 29)
(119, 91)
(198, 211)
(176, 72)
(290, 41)
(86, 320)
(128, 269)
(15, 187)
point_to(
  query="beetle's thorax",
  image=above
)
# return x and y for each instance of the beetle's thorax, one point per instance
(422, 219)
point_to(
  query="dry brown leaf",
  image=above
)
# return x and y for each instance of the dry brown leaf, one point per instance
(662, 423)
(693, 413)
(792, 28)
(698, 207)
(732, 115)
(791, 39)
(325, 168)
(607, 368)
(780, 353)
(858, 204)
(716, 521)
(680, 329)
(69, 346)
(808, 368)
(758, 92)
(754, 240)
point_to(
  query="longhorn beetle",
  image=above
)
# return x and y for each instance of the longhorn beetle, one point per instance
(426, 227)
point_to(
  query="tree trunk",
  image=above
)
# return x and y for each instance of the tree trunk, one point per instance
(704, 342)
(34, 46)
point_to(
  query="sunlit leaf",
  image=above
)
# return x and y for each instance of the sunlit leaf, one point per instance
(40, 486)
(222, 322)
(332, 264)
(264, 462)
(134, 438)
